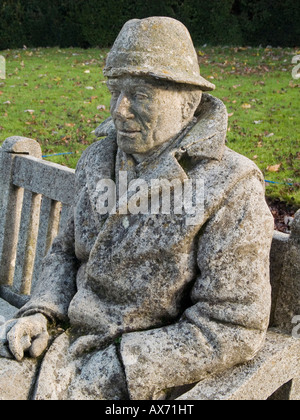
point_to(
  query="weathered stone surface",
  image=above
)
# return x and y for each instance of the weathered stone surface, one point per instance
(68, 373)
(16, 379)
(139, 50)
(274, 366)
(22, 145)
(11, 199)
(45, 178)
(288, 303)
(279, 248)
(7, 311)
(186, 293)
(28, 335)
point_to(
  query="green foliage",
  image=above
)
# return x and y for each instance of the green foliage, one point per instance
(86, 23)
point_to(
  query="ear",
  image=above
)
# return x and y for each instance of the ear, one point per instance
(190, 104)
(186, 110)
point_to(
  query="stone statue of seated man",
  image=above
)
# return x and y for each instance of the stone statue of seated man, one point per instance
(142, 301)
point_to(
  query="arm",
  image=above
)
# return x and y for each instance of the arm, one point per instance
(228, 319)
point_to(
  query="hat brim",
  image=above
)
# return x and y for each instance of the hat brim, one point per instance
(164, 74)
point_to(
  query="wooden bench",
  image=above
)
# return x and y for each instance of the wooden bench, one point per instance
(35, 197)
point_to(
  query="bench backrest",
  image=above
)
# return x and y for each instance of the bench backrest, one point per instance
(35, 196)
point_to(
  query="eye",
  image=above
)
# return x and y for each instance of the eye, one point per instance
(141, 95)
(115, 93)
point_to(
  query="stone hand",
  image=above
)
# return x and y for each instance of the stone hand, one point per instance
(28, 334)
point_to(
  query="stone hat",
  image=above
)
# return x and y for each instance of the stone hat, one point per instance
(159, 47)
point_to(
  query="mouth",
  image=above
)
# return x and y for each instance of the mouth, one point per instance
(128, 133)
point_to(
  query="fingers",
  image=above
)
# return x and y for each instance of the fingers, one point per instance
(16, 341)
(25, 332)
(4, 329)
(39, 345)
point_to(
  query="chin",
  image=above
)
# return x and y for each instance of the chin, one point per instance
(127, 145)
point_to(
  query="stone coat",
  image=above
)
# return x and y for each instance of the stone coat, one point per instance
(169, 301)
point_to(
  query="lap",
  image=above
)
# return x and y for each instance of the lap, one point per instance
(64, 375)
(95, 375)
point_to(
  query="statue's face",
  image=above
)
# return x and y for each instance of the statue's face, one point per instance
(146, 113)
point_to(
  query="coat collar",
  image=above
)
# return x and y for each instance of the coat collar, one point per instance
(205, 140)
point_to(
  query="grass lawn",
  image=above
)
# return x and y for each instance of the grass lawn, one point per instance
(59, 96)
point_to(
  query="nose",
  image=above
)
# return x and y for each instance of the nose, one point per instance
(123, 108)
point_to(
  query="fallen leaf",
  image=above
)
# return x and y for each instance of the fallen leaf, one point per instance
(293, 85)
(274, 168)
(246, 106)
(261, 83)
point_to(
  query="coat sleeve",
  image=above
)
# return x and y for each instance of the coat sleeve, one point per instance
(227, 321)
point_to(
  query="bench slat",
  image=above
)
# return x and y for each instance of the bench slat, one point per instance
(11, 226)
(48, 230)
(27, 242)
(46, 178)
